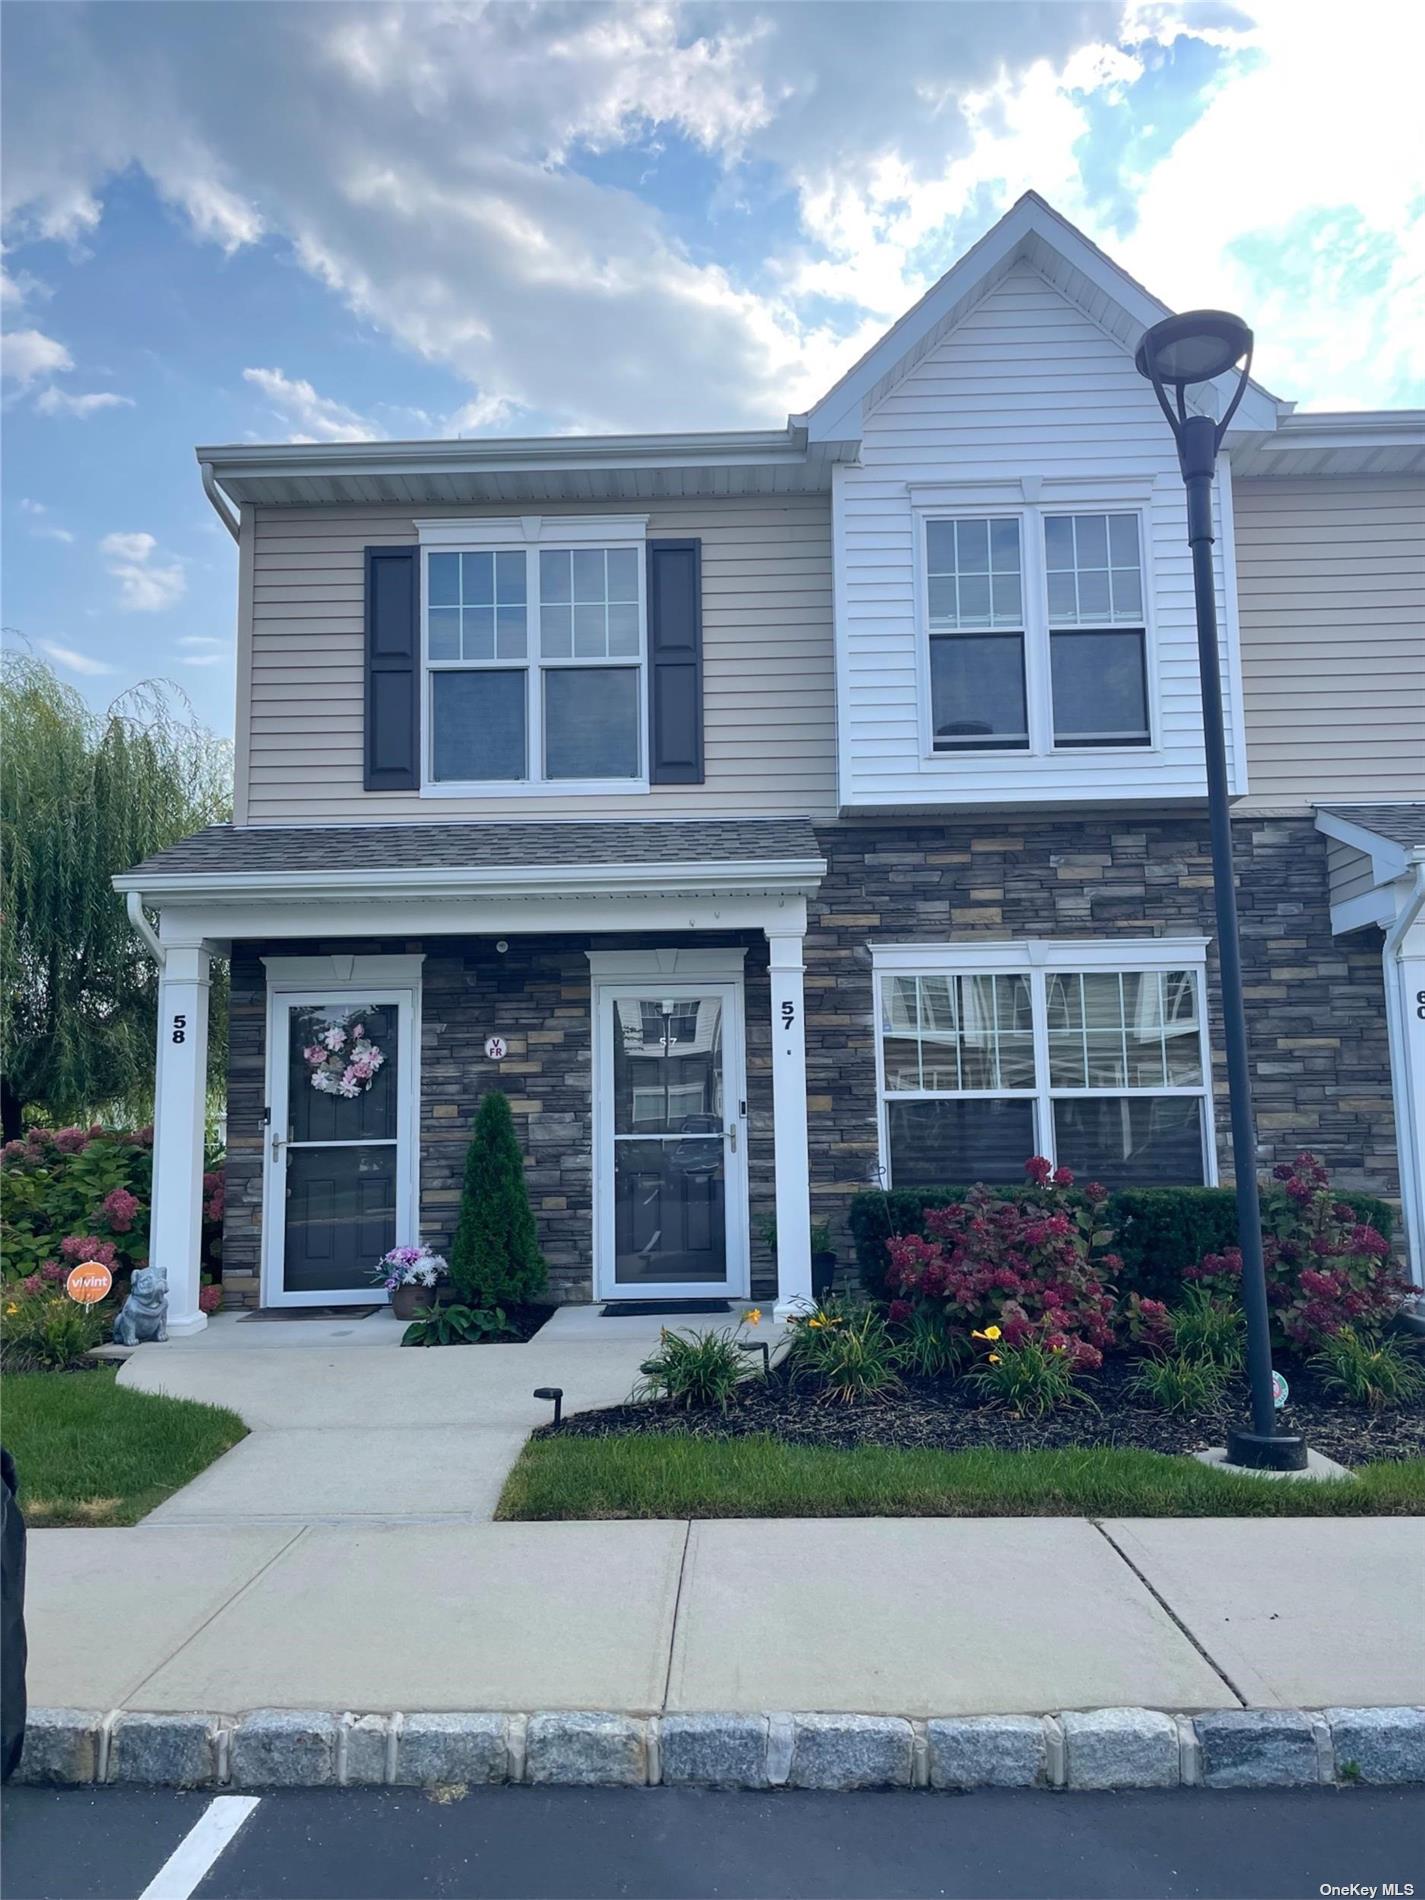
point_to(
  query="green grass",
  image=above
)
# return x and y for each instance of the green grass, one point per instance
(89, 1451)
(673, 1475)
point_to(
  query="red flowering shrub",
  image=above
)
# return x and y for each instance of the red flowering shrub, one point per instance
(1326, 1270)
(1034, 1269)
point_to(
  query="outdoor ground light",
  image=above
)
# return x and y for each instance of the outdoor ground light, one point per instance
(1198, 347)
(554, 1392)
(759, 1345)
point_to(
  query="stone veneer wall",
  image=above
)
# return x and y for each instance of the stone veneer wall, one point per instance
(1315, 1004)
(537, 996)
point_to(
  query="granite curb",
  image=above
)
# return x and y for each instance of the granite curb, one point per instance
(1079, 1748)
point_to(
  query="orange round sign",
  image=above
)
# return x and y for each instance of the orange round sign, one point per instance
(88, 1282)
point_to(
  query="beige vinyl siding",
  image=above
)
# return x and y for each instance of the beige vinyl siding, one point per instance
(1348, 870)
(1331, 599)
(768, 668)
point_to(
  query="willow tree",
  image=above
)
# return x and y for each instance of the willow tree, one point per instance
(85, 794)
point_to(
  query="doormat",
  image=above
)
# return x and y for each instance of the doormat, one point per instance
(629, 1309)
(311, 1312)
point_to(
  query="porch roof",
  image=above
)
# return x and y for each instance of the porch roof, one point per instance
(592, 854)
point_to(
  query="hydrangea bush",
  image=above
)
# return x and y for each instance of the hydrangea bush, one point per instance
(1326, 1269)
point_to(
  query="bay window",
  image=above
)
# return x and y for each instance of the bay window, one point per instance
(534, 643)
(1036, 629)
(1092, 1054)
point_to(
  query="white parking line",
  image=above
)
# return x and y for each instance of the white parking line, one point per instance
(200, 1847)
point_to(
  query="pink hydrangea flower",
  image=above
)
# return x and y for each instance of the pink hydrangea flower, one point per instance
(120, 1209)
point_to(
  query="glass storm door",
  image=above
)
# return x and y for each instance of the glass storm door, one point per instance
(339, 1177)
(671, 1136)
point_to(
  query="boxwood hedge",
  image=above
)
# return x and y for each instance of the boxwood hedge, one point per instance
(1158, 1231)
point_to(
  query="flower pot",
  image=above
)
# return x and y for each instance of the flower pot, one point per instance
(407, 1300)
(823, 1274)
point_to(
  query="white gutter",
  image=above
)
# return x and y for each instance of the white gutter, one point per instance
(219, 500)
(1408, 1087)
(794, 876)
(133, 903)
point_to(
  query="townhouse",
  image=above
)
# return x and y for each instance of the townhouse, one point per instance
(772, 813)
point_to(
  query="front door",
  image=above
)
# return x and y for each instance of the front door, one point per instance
(670, 1140)
(339, 1175)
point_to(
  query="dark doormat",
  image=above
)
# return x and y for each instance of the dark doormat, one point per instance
(312, 1312)
(628, 1309)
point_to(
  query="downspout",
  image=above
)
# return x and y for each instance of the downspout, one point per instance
(1407, 1136)
(133, 904)
(221, 506)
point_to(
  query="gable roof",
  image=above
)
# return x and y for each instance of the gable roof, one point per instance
(1031, 232)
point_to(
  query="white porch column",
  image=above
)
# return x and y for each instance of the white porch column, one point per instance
(180, 1098)
(789, 1125)
(1405, 973)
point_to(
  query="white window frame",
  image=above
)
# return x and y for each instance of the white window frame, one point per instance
(528, 534)
(1030, 501)
(1037, 958)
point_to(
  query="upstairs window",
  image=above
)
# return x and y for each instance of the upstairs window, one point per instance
(1036, 631)
(534, 660)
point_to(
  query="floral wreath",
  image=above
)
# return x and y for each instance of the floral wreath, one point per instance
(342, 1059)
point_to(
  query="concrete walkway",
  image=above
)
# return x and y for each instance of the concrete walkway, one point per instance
(347, 1428)
(908, 1616)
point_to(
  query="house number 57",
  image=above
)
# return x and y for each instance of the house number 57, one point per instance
(180, 1029)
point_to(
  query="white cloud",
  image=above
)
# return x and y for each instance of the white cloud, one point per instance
(145, 585)
(26, 355)
(318, 418)
(202, 659)
(58, 402)
(74, 661)
(200, 640)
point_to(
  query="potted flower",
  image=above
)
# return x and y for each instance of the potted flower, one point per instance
(823, 1259)
(410, 1276)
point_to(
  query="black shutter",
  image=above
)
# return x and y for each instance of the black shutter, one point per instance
(393, 670)
(675, 662)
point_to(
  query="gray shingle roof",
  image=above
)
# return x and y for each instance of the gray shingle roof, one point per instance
(1402, 824)
(221, 850)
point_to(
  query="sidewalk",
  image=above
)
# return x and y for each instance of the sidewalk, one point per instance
(915, 1617)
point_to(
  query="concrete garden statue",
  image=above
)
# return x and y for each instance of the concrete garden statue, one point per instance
(144, 1314)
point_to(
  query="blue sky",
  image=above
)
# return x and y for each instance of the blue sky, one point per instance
(242, 222)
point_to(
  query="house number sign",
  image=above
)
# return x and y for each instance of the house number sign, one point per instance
(180, 1029)
(496, 1048)
(789, 1014)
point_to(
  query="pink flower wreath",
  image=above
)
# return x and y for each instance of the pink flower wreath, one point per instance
(342, 1059)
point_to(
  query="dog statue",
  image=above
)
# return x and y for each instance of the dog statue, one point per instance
(144, 1314)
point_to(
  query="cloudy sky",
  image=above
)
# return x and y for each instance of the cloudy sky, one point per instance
(324, 222)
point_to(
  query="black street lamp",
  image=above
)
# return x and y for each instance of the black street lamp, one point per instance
(1198, 347)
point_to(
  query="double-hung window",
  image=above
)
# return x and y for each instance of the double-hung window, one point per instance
(534, 653)
(1037, 631)
(1092, 1054)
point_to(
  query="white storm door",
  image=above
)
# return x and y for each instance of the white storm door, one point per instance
(670, 1140)
(339, 1172)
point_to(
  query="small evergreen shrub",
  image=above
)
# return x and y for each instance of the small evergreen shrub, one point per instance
(1368, 1369)
(495, 1258)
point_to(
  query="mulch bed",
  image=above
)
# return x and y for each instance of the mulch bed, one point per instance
(525, 1321)
(941, 1414)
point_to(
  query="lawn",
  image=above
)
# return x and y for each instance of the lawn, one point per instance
(675, 1475)
(89, 1451)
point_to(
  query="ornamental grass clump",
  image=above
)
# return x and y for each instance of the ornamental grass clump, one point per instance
(1030, 1378)
(1325, 1268)
(1209, 1329)
(1036, 1268)
(695, 1369)
(43, 1330)
(925, 1345)
(1369, 1369)
(845, 1353)
(1179, 1383)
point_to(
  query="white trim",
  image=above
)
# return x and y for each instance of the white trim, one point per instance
(534, 880)
(607, 966)
(1389, 858)
(1111, 492)
(619, 979)
(841, 638)
(1224, 559)
(1037, 958)
(510, 531)
(373, 979)
(1371, 907)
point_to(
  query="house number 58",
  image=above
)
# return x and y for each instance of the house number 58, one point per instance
(180, 1029)
(1420, 1004)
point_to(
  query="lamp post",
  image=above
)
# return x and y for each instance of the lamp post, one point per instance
(1198, 347)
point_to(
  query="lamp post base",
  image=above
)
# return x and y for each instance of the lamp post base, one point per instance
(1281, 1451)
